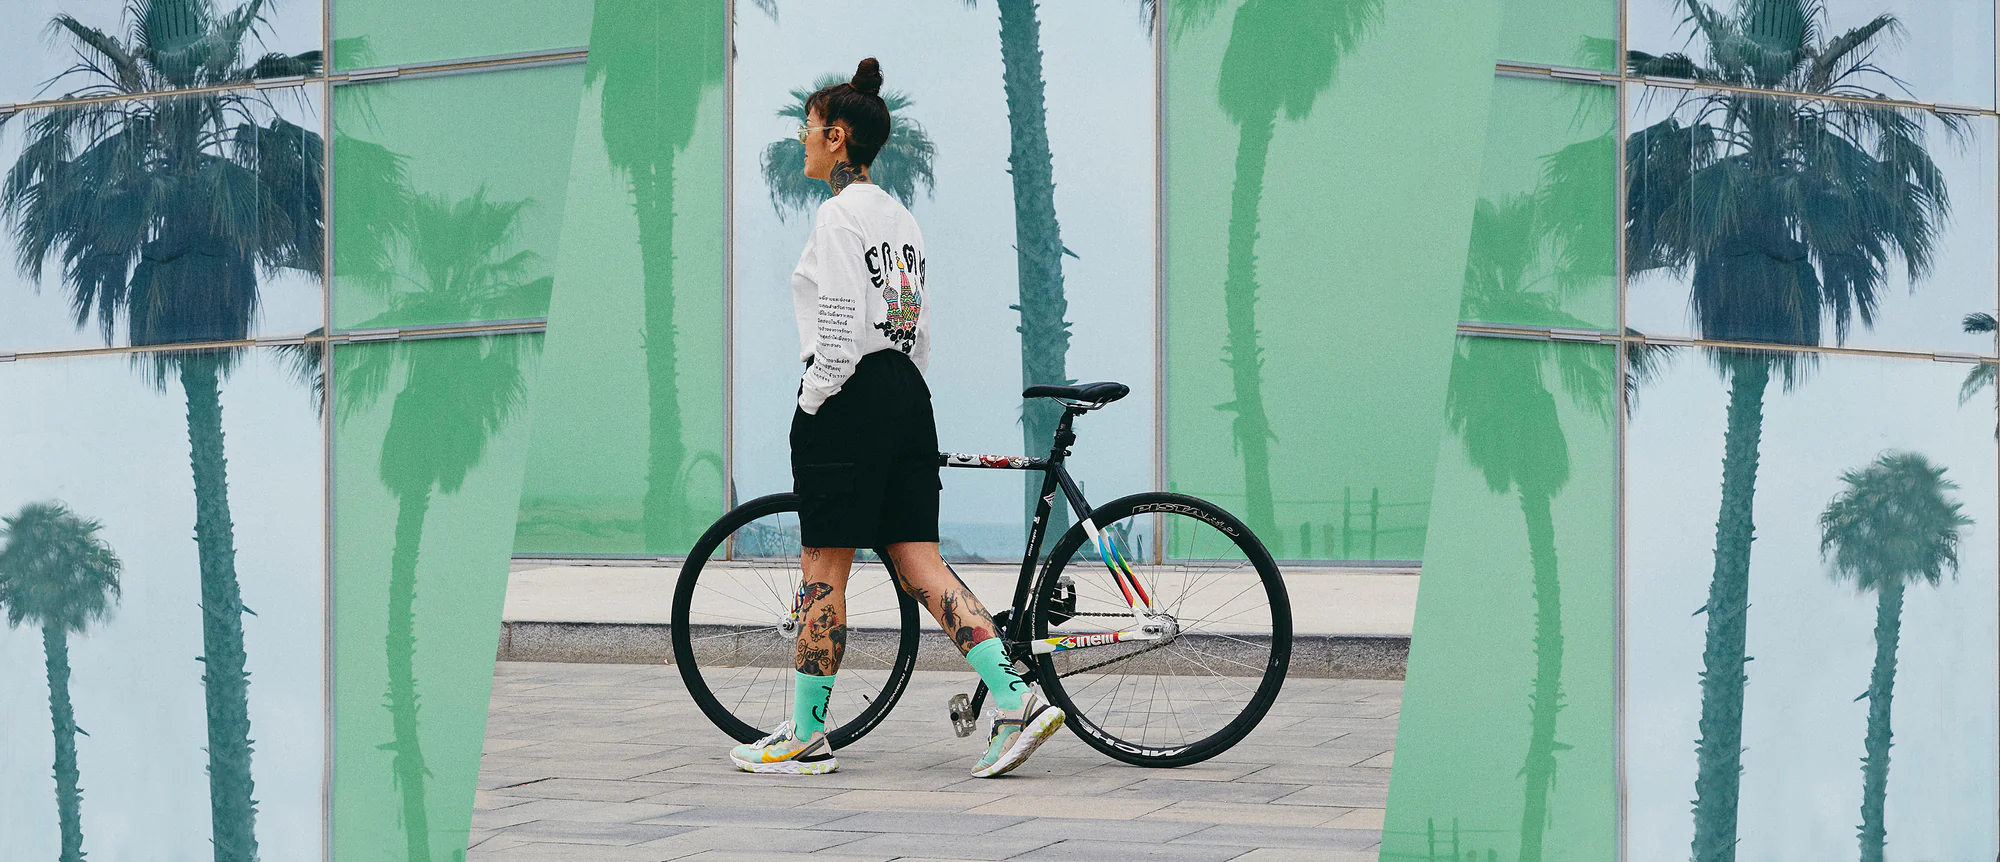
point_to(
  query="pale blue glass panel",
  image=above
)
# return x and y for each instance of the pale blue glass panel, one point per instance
(1938, 50)
(1811, 641)
(98, 435)
(149, 230)
(1097, 74)
(41, 58)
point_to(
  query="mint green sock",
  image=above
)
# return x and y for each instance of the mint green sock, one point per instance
(989, 659)
(809, 696)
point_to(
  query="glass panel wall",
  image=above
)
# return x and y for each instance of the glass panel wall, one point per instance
(1881, 221)
(627, 456)
(1059, 285)
(164, 613)
(60, 49)
(1872, 573)
(1936, 50)
(1580, 33)
(368, 33)
(428, 446)
(1517, 607)
(1310, 297)
(450, 190)
(110, 242)
(1545, 232)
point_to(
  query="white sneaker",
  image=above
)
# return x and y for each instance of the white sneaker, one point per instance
(1017, 733)
(784, 754)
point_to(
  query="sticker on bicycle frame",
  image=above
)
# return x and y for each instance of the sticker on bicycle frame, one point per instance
(1190, 511)
(1070, 642)
(998, 462)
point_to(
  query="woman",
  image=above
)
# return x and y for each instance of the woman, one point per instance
(864, 442)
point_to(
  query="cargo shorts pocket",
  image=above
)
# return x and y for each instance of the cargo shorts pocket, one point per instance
(817, 482)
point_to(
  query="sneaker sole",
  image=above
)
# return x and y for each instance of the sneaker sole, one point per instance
(788, 767)
(1030, 739)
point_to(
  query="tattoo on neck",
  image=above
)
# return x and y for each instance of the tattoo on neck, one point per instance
(846, 173)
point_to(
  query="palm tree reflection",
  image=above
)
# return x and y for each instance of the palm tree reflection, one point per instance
(452, 396)
(1500, 406)
(1786, 213)
(57, 574)
(1282, 55)
(1893, 524)
(165, 214)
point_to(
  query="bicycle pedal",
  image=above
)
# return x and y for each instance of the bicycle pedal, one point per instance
(963, 720)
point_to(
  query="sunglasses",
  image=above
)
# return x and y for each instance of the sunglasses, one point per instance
(806, 131)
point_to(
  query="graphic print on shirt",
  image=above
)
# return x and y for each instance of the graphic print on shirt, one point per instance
(901, 278)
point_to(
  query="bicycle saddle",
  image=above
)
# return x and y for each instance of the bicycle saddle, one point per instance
(1091, 393)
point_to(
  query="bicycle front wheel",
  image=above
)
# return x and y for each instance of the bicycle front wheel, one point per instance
(734, 636)
(1197, 665)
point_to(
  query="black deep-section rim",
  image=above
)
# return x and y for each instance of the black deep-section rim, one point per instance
(697, 687)
(1274, 672)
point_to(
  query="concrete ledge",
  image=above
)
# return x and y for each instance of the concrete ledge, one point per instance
(1313, 655)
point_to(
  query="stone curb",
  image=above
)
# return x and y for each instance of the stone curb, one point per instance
(1314, 656)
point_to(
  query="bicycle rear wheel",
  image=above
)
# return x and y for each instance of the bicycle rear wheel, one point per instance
(734, 637)
(1222, 641)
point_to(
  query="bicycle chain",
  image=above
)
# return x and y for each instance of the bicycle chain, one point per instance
(1133, 654)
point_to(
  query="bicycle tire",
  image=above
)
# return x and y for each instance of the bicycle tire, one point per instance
(689, 662)
(1092, 729)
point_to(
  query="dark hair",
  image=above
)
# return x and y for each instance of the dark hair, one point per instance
(859, 102)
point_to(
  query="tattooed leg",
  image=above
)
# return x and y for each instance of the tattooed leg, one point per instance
(923, 574)
(823, 610)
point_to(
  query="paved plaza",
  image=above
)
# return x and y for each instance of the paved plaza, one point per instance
(613, 763)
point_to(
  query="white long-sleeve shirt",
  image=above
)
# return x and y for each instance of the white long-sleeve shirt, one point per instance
(859, 288)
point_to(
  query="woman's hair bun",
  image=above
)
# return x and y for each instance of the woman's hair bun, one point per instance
(867, 77)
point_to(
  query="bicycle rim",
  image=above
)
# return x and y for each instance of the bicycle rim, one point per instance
(735, 644)
(1220, 604)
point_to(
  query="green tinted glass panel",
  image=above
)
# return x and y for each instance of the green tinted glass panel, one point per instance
(1888, 263)
(42, 57)
(627, 457)
(368, 33)
(450, 192)
(1580, 33)
(1545, 232)
(429, 444)
(1510, 683)
(1855, 612)
(1320, 187)
(168, 764)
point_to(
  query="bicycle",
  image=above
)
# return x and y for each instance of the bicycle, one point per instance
(735, 617)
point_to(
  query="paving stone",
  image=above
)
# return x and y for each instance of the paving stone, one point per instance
(944, 847)
(582, 747)
(1143, 830)
(580, 788)
(1038, 805)
(590, 832)
(769, 818)
(1207, 791)
(1099, 851)
(1340, 796)
(576, 809)
(1303, 837)
(925, 822)
(909, 800)
(795, 841)
(1236, 812)
(1294, 854)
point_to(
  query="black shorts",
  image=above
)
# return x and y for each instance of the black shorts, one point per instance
(866, 464)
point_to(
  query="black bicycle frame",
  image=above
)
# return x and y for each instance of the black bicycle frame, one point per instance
(1055, 476)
